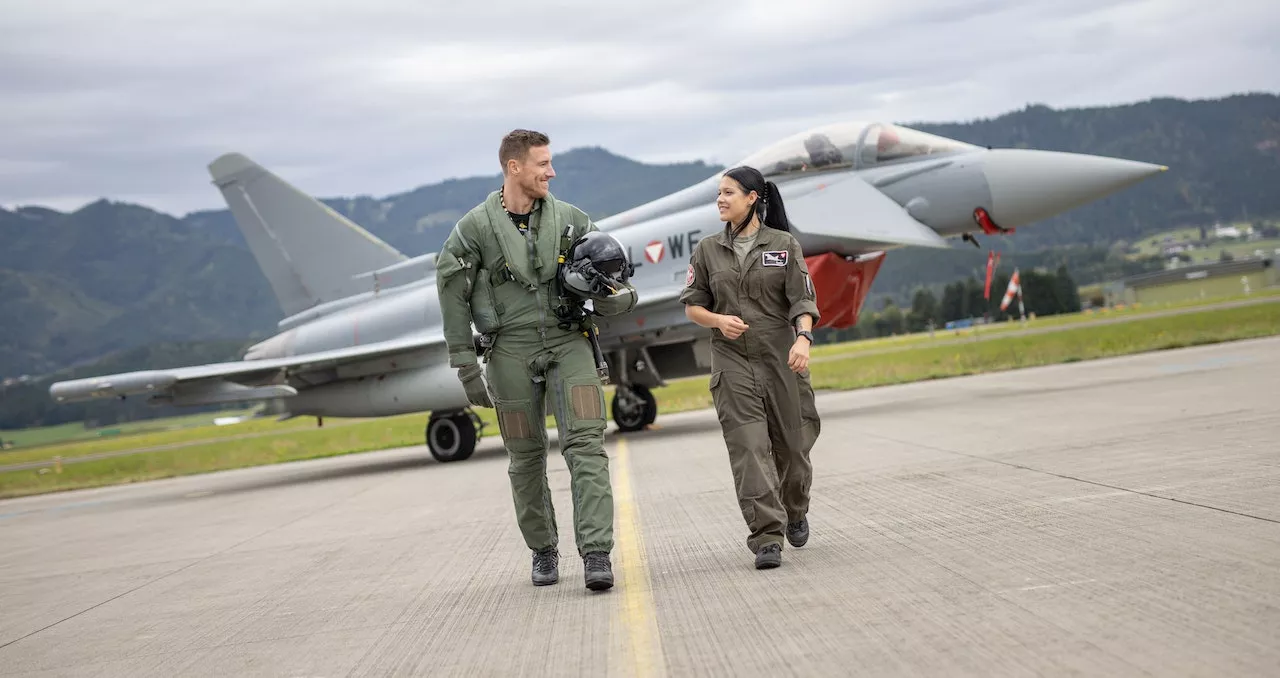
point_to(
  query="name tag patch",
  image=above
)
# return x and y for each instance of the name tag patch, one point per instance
(776, 258)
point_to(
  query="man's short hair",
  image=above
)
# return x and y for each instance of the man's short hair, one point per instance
(516, 145)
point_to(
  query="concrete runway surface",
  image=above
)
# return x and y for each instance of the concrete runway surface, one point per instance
(1113, 517)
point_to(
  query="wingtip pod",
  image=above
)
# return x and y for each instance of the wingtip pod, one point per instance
(150, 381)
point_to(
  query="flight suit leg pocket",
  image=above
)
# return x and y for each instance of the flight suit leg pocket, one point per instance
(515, 422)
(810, 421)
(584, 404)
(735, 400)
(717, 399)
(755, 480)
(525, 442)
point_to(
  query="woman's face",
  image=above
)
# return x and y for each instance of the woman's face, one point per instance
(732, 201)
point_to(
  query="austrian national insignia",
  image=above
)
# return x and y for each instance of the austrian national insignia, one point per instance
(776, 258)
(688, 278)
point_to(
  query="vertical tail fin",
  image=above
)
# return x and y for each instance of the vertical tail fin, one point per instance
(307, 251)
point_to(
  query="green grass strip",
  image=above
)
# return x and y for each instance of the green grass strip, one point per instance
(296, 442)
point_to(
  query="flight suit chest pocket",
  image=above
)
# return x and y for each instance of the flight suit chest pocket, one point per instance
(724, 287)
(767, 286)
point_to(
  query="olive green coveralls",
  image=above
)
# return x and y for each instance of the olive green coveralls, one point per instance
(491, 276)
(766, 411)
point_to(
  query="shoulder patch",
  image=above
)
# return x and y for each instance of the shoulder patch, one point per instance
(776, 258)
(688, 277)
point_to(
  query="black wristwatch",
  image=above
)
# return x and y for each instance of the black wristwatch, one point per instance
(806, 334)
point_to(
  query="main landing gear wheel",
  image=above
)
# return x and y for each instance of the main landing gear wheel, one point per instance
(634, 407)
(452, 436)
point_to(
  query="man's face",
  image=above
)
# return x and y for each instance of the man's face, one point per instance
(534, 174)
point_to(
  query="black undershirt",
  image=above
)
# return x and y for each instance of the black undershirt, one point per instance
(521, 221)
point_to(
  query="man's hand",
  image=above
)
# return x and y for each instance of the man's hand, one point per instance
(798, 359)
(731, 326)
(473, 383)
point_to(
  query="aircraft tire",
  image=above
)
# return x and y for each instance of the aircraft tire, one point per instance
(635, 418)
(451, 437)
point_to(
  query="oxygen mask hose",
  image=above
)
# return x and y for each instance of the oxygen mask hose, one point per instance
(602, 366)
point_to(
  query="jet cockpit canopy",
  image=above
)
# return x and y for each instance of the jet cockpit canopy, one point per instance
(849, 145)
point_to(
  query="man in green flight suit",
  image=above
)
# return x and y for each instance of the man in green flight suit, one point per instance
(498, 270)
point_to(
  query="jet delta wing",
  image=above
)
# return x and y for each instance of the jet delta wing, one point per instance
(257, 379)
(363, 335)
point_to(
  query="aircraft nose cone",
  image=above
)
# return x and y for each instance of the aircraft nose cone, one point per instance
(1027, 186)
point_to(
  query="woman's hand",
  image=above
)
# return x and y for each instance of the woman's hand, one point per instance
(798, 360)
(731, 326)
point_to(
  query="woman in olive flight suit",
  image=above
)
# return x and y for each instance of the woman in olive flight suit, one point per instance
(749, 284)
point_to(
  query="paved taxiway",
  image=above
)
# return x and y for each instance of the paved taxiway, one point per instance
(1114, 517)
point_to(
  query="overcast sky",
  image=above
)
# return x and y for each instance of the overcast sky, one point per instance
(131, 100)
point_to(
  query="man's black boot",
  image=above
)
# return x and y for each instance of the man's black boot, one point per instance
(769, 556)
(546, 566)
(597, 570)
(798, 532)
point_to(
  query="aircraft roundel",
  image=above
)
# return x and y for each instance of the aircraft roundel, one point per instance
(653, 251)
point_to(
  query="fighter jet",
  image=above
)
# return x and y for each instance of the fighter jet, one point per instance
(362, 333)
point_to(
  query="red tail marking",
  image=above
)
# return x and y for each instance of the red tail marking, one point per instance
(842, 286)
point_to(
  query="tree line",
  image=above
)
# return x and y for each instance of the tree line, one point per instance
(1043, 293)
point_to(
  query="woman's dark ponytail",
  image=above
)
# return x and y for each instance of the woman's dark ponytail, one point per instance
(775, 213)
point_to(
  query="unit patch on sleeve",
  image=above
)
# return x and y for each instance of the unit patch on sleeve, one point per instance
(688, 278)
(776, 258)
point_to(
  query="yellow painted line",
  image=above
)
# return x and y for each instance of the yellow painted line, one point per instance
(636, 645)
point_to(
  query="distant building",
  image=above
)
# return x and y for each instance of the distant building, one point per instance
(1195, 281)
(1236, 232)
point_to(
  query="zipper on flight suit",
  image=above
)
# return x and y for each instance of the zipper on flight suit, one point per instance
(537, 288)
(749, 345)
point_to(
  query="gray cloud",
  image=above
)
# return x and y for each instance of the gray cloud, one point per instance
(132, 101)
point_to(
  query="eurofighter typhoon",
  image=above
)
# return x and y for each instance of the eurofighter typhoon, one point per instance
(362, 334)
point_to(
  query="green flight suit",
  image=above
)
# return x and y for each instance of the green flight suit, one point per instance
(766, 411)
(503, 282)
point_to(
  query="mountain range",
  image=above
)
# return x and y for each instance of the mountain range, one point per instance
(110, 278)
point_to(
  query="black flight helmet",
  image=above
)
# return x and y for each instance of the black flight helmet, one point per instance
(596, 266)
